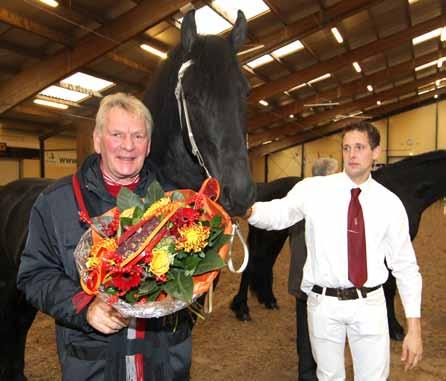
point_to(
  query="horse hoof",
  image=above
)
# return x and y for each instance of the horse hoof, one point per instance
(272, 305)
(241, 312)
(396, 332)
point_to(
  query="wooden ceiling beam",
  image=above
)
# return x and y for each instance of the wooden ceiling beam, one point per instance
(21, 22)
(333, 127)
(34, 79)
(308, 25)
(347, 90)
(338, 62)
(314, 120)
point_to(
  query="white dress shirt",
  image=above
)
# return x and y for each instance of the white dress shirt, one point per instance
(323, 202)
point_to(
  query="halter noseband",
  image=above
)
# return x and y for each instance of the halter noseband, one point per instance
(182, 106)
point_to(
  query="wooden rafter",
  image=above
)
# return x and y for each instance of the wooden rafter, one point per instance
(32, 80)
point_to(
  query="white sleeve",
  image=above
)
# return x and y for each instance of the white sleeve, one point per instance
(281, 213)
(403, 263)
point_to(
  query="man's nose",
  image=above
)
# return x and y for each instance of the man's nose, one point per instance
(128, 143)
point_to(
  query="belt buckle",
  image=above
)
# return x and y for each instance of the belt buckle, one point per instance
(343, 294)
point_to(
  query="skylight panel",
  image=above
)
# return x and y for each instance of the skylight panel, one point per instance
(337, 35)
(262, 60)
(65, 94)
(429, 64)
(427, 36)
(87, 81)
(288, 49)
(251, 8)
(209, 22)
(43, 102)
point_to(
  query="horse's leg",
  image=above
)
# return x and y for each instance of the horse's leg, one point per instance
(16, 317)
(273, 242)
(240, 302)
(396, 331)
(307, 366)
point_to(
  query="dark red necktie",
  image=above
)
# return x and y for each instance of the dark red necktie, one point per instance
(357, 257)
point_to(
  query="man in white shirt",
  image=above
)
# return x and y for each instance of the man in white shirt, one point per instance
(336, 307)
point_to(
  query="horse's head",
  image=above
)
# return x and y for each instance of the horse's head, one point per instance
(215, 93)
(418, 181)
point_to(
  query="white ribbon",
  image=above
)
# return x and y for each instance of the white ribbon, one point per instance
(236, 229)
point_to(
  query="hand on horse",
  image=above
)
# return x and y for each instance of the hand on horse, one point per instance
(104, 318)
(412, 344)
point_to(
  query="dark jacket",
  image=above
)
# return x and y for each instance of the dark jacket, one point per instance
(49, 279)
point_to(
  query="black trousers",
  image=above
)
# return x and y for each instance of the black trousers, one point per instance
(307, 365)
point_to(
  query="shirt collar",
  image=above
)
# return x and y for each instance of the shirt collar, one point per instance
(350, 184)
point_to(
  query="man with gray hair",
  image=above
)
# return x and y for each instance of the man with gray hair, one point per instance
(94, 341)
(298, 254)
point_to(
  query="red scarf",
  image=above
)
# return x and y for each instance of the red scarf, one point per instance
(113, 187)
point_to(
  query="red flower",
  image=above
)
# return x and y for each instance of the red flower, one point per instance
(185, 216)
(125, 279)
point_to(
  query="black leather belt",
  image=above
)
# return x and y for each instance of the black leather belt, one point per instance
(345, 293)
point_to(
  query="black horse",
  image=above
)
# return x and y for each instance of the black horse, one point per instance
(215, 91)
(418, 181)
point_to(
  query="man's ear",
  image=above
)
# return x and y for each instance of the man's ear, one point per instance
(148, 147)
(97, 136)
(376, 152)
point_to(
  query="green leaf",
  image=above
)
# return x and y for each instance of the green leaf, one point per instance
(147, 287)
(176, 196)
(137, 214)
(216, 222)
(220, 241)
(153, 194)
(211, 262)
(191, 263)
(181, 287)
(152, 297)
(127, 199)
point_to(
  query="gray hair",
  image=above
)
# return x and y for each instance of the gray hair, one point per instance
(128, 103)
(324, 166)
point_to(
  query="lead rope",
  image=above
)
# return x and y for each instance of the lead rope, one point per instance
(182, 105)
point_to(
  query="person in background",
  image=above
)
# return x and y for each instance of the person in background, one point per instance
(353, 224)
(307, 365)
(94, 341)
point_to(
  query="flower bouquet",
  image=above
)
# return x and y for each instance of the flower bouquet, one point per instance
(153, 256)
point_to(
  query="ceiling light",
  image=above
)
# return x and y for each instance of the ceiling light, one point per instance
(154, 51)
(263, 102)
(429, 64)
(50, 3)
(251, 8)
(267, 142)
(427, 36)
(424, 91)
(65, 94)
(357, 67)
(88, 81)
(321, 78)
(262, 60)
(291, 116)
(208, 21)
(43, 102)
(370, 88)
(436, 96)
(440, 62)
(295, 88)
(337, 35)
(443, 34)
(378, 103)
(288, 49)
(413, 1)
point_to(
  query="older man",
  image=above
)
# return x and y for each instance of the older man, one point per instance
(94, 341)
(353, 224)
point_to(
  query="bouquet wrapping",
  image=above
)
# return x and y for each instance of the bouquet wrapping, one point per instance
(153, 256)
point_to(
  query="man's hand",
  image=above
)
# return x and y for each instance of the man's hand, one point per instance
(412, 344)
(104, 318)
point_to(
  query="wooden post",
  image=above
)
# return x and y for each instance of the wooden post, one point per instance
(84, 138)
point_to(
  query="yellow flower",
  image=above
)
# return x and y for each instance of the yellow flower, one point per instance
(155, 206)
(160, 262)
(128, 213)
(193, 238)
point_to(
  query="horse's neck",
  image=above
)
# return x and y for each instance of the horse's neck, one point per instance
(173, 161)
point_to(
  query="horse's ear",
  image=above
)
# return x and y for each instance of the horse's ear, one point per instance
(188, 31)
(238, 33)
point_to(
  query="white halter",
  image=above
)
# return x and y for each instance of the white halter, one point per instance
(182, 106)
(179, 94)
